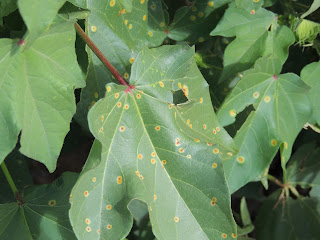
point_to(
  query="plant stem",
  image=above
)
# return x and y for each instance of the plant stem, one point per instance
(100, 55)
(10, 181)
(275, 180)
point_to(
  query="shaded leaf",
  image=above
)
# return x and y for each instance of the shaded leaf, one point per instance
(314, 6)
(253, 37)
(281, 108)
(157, 152)
(36, 93)
(290, 219)
(310, 74)
(7, 7)
(44, 214)
(38, 23)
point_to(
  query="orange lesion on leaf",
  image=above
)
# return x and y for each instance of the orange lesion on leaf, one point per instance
(109, 226)
(196, 140)
(119, 179)
(218, 129)
(122, 128)
(116, 95)
(94, 179)
(204, 126)
(86, 193)
(140, 156)
(214, 131)
(52, 203)
(153, 161)
(88, 229)
(153, 154)
(214, 165)
(224, 235)
(181, 150)
(161, 84)
(273, 142)
(87, 221)
(185, 90)
(109, 207)
(240, 159)
(164, 162)
(176, 219)
(215, 151)
(157, 128)
(233, 234)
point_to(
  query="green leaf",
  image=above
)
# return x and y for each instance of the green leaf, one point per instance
(281, 108)
(253, 38)
(191, 23)
(43, 215)
(304, 166)
(126, 4)
(46, 11)
(310, 74)
(315, 5)
(120, 36)
(294, 219)
(7, 7)
(69, 11)
(36, 93)
(157, 152)
(245, 214)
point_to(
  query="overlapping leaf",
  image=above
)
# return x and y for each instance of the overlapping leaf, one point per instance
(36, 93)
(294, 219)
(257, 34)
(310, 74)
(157, 152)
(281, 108)
(43, 215)
(7, 7)
(191, 22)
(120, 35)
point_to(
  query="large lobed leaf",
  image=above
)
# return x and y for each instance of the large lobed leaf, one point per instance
(157, 152)
(120, 35)
(43, 215)
(257, 34)
(310, 74)
(36, 93)
(281, 108)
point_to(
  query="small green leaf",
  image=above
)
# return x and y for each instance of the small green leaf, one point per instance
(315, 5)
(36, 87)
(294, 219)
(157, 152)
(245, 214)
(310, 74)
(281, 108)
(40, 22)
(43, 215)
(253, 38)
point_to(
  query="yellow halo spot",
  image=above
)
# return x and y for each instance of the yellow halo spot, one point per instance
(285, 144)
(157, 128)
(176, 219)
(233, 234)
(214, 165)
(200, 14)
(87, 221)
(86, 193)
(109, 226)
(224, 235)
(153, 154)
(144, 17)
(141, 177)
(131, 60)
(185, 90)
(204, 126)
(102, 118)
(93, 103)
(170, 106)
(96, 95)
(181, 150)
(88, 229)
(126, 106)
(213, 203)
(94, 179)
(230, 154)
(214, 131)
(192, 17)
(126, 75)
(126, 22)
(154, 197)
(196, 140)
(232, 113)
(122, 128)
(150, 33)
(190, 126)
(112, 3)
(200, 39)
(150, 208)
(164, 162)
(140, 156)
(153, 161)
(141, 1)
(253, 12)
(201, 100)
(215, 151)
(119, 104)
(188, 121)
(130, 26)
(161, 84)
(177, 143)
(267, 99)
(188, 156)
(214, 199)
(138, 174)
(240, 159)
(256, 95)
(179, 85)
(218, 129)
(98, 231)
(210, 4)
(52, 203)
(119, 179)
(109, 207)
(138, 96)
(108, 89)
(162, 24)
(273, 142)
(116, 95)
(124, 11)
(93, 28)
(209, 144)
